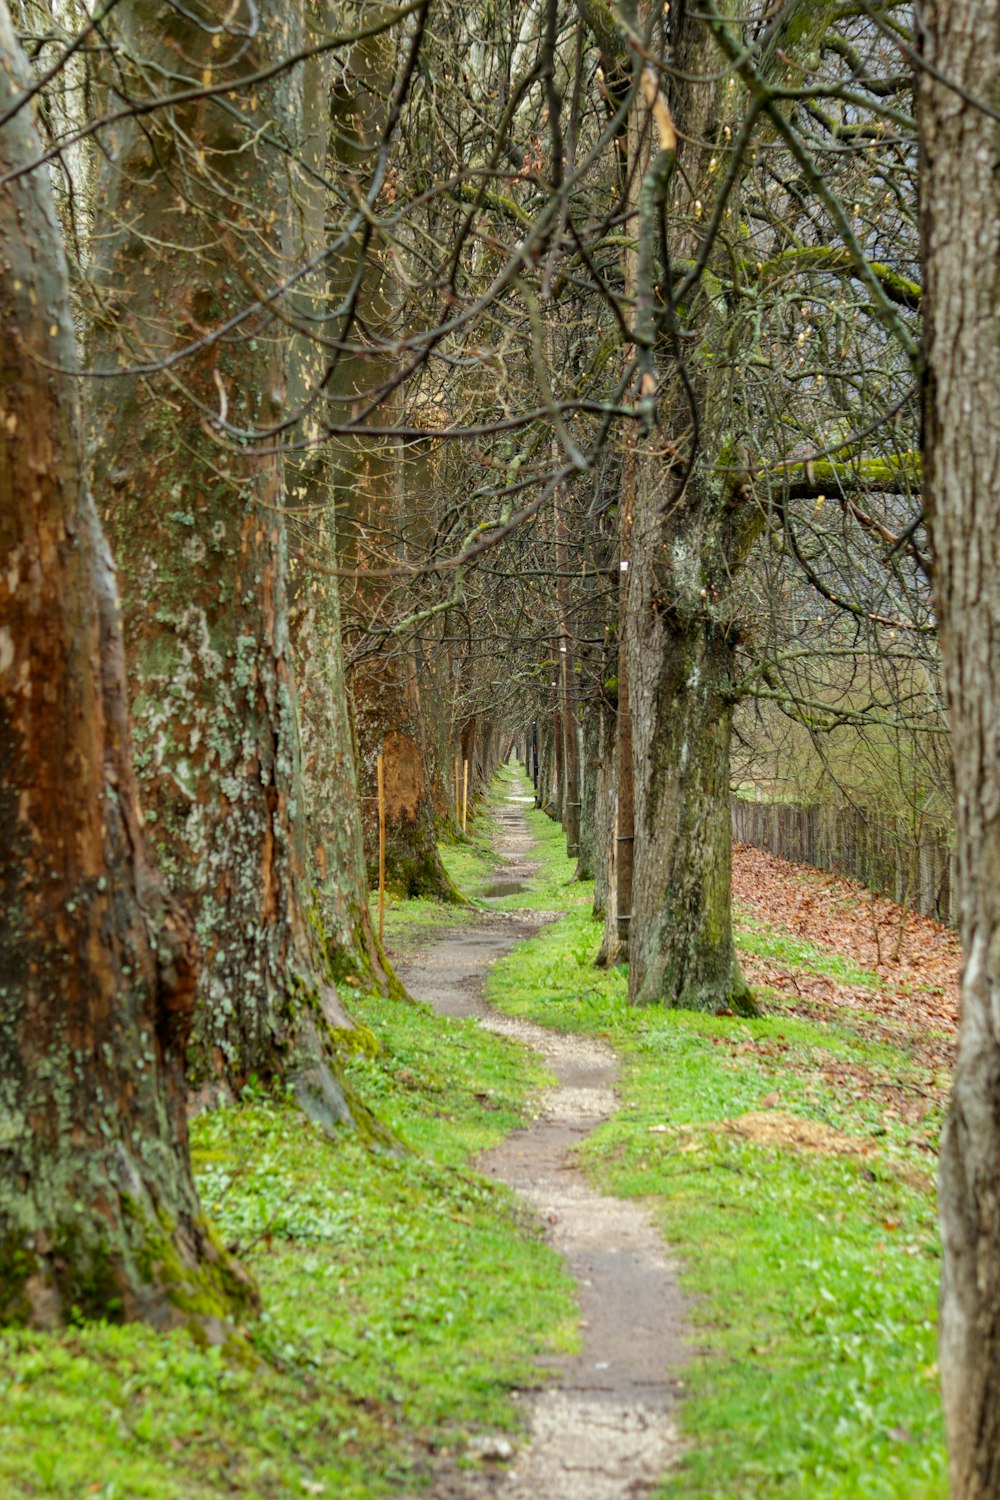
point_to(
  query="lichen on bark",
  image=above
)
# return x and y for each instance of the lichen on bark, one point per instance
(98, 1210)
(198, 510)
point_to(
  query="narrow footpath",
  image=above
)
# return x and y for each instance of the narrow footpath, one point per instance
(601, 1428)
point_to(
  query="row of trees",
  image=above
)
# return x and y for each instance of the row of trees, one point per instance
(448, 372)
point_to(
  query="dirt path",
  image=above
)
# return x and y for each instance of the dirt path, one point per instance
(602, 1429)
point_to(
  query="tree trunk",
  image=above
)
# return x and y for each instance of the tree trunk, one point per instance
(567, 685)
(438, 679)
(604, 801)
(634, 159)
(621, 852)
(336, 862)
(98, 1211)
(618, 915)
(961, 224)
(198, 516)
(388, 719)
(680, 937)
(690, 537)
(339, 876)
(378, 500)
(590, 761)
(548, 787)
(556, 805)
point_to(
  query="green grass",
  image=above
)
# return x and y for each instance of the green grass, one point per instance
(403, 1297)
(469, 858)
(813, 1277)
(408, 921)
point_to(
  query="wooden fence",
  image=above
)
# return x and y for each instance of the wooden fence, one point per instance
(881, 851)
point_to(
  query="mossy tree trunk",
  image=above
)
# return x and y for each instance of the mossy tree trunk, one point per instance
(439, 676)
(961, 225)
(338, 876)
(387, 694)
(691, 530)
(682, 544)
(98, 1211)
(547, 790)
(567, 688)
(556, 805)
(338, 873)
(389, 722)
(603, 718)
(617, 905)
(676, 657)
(197, 513)
(680, 945)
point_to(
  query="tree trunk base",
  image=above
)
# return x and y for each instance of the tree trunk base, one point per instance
(732, 997)
(140, 1265)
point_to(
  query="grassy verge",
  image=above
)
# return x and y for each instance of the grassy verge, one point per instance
(783, 1161)
(403, 1298)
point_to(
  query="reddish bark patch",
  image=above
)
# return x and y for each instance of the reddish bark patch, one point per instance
(404, 777)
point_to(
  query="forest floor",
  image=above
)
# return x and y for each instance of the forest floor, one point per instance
(429, 1331)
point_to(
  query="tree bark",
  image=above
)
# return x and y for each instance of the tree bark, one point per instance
(556, 805)
(98, 1211)
(590, 766)
(568, 685)
(338, 873)
(604, 800)
(961, 226)
(681, 948)
(388, 718)
(689, 539)
(198, 517)
(338, 876)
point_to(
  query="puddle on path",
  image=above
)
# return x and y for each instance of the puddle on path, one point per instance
(602, 1428)
(503, 888)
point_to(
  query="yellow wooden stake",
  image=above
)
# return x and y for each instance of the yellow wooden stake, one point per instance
(381, 849)
(465, 796)
(458, 808)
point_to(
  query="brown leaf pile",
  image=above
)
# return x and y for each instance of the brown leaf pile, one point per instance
(916, 959)
(778, 1128)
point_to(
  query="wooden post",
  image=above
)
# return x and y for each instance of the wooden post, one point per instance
(458, 804)
(465, 795)
(381, 849)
